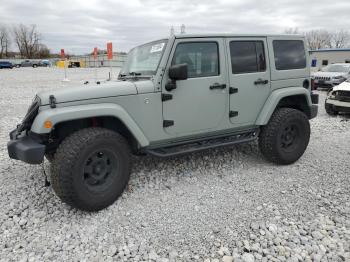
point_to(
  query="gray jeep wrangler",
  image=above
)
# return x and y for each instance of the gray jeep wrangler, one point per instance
(173, 96)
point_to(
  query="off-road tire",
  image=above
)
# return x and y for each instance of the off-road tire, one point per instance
(329, 110)
(273, 136)
(72, 157)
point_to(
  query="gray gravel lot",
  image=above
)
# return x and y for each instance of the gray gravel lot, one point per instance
(220, 205)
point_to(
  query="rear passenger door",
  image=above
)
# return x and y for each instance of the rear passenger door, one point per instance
(249, 78)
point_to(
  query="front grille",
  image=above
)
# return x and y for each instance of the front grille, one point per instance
(30, 115)
(342, 95)
(323, 85)
(326, 78)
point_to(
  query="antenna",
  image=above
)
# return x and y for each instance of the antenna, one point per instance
(183, 29)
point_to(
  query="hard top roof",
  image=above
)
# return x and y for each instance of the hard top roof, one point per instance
(235, 35)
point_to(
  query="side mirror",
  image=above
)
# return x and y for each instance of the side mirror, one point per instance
(178, 72)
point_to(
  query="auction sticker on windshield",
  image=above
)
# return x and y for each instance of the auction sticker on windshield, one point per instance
(157, 48)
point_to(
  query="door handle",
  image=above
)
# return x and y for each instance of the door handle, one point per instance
(217, 86)
(261, 82)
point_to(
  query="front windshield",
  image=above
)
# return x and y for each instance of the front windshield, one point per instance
(337, 68)
(144, 59)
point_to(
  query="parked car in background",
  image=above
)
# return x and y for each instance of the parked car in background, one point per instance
(44, 63)
(331, 75)
(6, 64)
(28, 63)
(73, 64)
(338, 99)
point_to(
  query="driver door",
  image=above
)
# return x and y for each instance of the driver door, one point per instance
(198, 104)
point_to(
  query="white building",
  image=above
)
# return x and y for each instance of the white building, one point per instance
(323, 57)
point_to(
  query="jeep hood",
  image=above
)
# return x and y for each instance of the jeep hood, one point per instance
(89, 91)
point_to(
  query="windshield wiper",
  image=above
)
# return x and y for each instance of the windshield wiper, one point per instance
(132, 75)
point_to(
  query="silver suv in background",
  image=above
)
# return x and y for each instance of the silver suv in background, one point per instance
(331, 75)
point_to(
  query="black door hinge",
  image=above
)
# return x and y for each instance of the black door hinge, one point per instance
(166, 97)
(233, 90)
(167, 123)
(233, 113)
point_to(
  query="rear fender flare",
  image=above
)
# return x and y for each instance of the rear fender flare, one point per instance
(275, 97)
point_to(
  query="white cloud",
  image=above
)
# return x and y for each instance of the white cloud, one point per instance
(79, 25)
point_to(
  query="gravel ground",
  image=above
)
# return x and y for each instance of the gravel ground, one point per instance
(219, 205)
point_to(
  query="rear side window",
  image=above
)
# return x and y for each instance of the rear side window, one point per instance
(289, 54)
(247, 57)
(202, 58)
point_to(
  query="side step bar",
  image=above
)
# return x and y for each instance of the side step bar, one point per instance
(204, 144)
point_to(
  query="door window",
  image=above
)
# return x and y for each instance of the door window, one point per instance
(247, 57)
(202, 58)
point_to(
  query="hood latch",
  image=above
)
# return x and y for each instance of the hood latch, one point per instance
(52, 101)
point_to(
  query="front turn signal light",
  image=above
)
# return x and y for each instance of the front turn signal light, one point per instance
(48, 124)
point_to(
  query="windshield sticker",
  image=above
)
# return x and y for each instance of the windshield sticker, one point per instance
(157, 48)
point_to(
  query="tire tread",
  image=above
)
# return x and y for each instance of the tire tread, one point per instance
(267, 138)
(67, 154)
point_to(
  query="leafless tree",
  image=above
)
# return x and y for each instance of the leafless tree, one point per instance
(43, 52)
(27, 40)
(291, 31)
(4, 41)
(318, 39)
(340, 39)
(321, 38)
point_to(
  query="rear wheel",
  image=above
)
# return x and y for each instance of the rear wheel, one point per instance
(285, 138)
(91, 168)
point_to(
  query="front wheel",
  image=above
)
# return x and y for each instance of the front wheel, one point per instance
(91, 168)
(285, 138)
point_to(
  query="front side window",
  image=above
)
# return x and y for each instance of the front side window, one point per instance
(247, 57)
(202, 58)
(289, 54)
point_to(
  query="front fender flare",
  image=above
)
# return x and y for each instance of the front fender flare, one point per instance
(275, 97)
(62, 114)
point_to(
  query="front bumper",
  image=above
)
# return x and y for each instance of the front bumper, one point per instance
(339, 106)
(313, 111)
(326, 83)
(26, 148)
